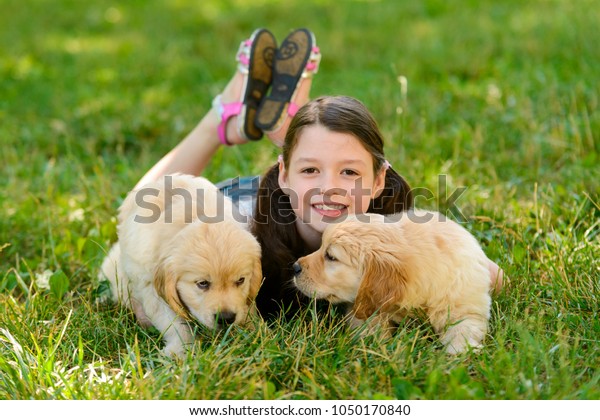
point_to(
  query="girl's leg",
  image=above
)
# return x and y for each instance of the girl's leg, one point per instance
(195, 151)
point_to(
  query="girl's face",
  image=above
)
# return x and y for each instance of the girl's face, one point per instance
(330, 175)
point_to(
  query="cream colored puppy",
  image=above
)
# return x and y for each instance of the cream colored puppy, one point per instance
(390, 266)
(181, 257)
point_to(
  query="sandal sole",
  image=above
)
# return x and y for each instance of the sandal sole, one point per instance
(290, 63)
(260, 75)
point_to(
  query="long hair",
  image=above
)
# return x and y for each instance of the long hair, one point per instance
(274, 219)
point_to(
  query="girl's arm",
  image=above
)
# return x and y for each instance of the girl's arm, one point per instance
(191, 155)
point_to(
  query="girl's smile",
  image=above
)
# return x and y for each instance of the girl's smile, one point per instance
(332, 210)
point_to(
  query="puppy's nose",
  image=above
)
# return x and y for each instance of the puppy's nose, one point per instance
(297, 268)
(224, 318)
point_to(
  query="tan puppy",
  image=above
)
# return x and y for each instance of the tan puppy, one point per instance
(390, 266)
(182, 256)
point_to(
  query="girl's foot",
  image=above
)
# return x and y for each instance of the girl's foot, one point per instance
(237, 105)
(296, 61)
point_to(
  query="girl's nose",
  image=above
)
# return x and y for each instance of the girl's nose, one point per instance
(329, 185)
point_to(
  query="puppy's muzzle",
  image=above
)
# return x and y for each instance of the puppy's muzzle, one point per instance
(224, 318)
(297, 268)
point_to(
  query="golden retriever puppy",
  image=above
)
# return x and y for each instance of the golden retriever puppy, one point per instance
(181, 257)
(389, 266)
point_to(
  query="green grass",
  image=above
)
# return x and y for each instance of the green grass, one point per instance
(501, 97)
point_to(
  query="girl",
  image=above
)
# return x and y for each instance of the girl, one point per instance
(332, 165)
(332, 161)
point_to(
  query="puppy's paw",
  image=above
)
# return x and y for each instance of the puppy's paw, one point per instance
(175, 350)
(459, 340)
(461, 347)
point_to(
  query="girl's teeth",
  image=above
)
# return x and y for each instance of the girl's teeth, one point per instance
(329, 206)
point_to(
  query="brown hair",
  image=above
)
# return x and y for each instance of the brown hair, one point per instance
(274, 219)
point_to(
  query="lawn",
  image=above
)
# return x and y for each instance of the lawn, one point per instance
(493, 103)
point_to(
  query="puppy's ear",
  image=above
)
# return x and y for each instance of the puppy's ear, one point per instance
(255, 282)
(165, 284)
(383, 282)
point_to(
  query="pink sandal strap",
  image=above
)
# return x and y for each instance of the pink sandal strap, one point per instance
(225, 112)
(312, 66)
(243, 56)
(292, 109)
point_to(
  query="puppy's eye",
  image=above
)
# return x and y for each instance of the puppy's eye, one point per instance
(240, 281)
(330, 257)
(203, 284)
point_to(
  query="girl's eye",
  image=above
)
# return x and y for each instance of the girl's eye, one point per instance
(350, 172)
(203, 284)
(329, 257)
(240, 281)
(309, 170)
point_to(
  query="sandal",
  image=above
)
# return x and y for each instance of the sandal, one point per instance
(297, 58)
(255, 62)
